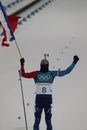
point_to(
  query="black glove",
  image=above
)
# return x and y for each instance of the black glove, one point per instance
(22, 60)
(75, 59)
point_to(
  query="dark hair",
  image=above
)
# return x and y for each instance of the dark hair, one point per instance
(44, 60)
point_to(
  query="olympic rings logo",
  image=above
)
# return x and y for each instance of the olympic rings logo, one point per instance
(44, 77)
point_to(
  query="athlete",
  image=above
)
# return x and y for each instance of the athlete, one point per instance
(43, 80)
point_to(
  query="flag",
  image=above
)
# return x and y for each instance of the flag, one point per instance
(13, 20)
(9, 24)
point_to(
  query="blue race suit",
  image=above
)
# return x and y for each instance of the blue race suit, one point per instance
(43, 100)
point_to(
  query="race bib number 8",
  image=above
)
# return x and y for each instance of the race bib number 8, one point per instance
(43, 89)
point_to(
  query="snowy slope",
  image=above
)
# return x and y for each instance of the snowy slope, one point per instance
(60, 30)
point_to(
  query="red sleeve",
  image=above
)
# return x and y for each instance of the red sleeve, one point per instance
(28, 75)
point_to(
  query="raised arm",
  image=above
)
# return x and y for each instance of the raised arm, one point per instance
(23, 73)
(70, 68)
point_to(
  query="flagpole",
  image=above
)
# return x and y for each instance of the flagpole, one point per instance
(10, 31)
(18, 49)
(23, 100)
(22, 93)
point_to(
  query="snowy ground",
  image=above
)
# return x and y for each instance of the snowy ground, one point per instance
(59, 29)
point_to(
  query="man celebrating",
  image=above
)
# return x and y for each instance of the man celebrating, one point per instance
(43, 80)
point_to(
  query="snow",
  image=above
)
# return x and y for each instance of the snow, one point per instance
(60, 30)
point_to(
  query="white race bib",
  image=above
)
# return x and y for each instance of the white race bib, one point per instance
(43, 88)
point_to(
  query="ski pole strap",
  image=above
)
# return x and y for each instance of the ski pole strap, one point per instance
(58, 71)
(19, 72)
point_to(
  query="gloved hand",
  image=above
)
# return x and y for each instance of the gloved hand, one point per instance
(22, 60)
(75, 59)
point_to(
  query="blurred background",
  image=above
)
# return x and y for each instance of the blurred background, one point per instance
(57, 28)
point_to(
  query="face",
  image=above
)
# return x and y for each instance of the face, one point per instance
(44, 66)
